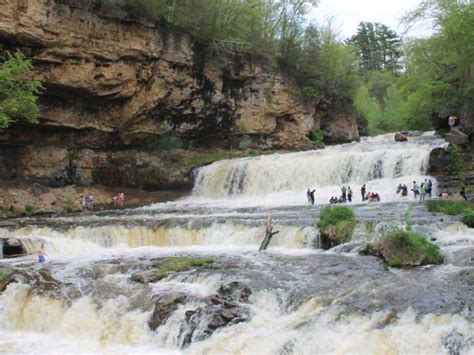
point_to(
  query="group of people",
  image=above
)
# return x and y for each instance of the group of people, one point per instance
(119, 199)
(423, 190)
(369, 196)
(86, 202)
(346, 195)
(310, 196)
(402, 189)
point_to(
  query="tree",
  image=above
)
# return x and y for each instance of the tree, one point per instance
(442, 66)
(377, 47)
(18, 91)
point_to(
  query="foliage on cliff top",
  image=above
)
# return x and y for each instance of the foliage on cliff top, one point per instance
(276, 31)
(438, 75)
(401, 248)
(18, 91)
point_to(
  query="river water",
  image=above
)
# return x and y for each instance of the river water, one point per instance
(301, 299)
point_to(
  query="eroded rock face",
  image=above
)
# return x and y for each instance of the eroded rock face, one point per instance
(112, 87)
(341, 128)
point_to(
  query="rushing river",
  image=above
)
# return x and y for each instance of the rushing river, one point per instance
(293, 298)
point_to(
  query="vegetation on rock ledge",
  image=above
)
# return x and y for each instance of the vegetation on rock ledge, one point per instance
(454, 208)
(164, 266)
(336, 225)
(18, 91)
(402, 248)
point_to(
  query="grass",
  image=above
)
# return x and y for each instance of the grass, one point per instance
(5, 212)
(3, 276)
(342, 218)
(454, 208)
(30, 210)
(468, 217)
(448, 207)
(177, 264)
(334, 215)
(403, 248)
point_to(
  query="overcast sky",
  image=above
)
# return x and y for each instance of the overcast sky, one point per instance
(348, 13)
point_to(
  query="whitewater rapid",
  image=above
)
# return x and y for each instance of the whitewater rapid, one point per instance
(303, 300)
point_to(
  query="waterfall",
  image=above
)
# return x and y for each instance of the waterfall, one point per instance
(379, 162)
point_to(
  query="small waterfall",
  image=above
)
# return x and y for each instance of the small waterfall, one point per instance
(356, 163)
(84, 240)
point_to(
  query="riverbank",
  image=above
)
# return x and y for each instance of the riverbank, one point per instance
(37, 199)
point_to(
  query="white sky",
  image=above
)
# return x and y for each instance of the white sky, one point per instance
(348, 13)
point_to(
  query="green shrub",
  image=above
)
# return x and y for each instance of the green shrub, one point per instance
(448, 207)
(401, 248)
(269, 96)
(468, 218)
(334, 215)
(5, 212)
(336, 225)
(30, 210)
(308, 92)
(166, 141)
(317, 136)
(69, 205)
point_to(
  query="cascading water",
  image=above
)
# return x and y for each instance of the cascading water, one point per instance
(92, 295)
(284, 178)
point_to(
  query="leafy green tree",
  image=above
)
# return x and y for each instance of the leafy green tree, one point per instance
(378, 48)
(441, 67)
(18, 91)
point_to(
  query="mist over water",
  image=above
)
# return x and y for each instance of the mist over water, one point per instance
(303, 300)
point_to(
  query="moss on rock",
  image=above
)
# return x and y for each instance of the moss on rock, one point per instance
(402, 249)
(163, 267)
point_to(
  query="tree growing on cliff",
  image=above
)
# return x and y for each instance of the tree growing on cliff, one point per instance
(18, 91)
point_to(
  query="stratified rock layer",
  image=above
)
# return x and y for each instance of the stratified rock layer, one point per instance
(114, 87)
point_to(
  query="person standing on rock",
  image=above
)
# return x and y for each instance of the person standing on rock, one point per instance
(452, 121)
(422, 191)
(343, 192)
(311, 196)
(41, 254)
(415, 189)
(429, 188)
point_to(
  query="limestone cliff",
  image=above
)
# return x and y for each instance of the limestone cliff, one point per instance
(114, 87)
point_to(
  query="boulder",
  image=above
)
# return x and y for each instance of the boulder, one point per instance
(399, 137)
(164, 306)
(455, 136)
(225, 307)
